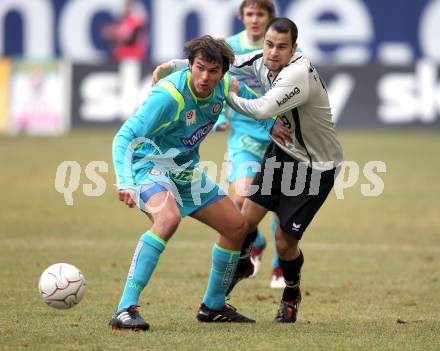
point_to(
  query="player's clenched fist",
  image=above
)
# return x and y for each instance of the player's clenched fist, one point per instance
(128, 196)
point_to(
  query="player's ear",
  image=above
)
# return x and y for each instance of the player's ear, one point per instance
(294, 48)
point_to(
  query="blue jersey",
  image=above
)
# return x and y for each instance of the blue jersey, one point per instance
(240, 124)
(168, 127)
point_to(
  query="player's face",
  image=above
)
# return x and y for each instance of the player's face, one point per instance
(278, 50)
(205, 75)
(255, 20)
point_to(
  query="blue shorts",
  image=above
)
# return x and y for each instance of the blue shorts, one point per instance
(192, 191)
(245, 155)
(243, 164)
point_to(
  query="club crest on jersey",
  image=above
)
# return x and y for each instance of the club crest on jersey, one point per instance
(155, 172)
(217, 108)
(190, 117)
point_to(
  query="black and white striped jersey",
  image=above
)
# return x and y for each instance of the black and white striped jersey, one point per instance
(299, 97)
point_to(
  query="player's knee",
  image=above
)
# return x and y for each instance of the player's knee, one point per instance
(286, 247)
(235, 229)
(168, 222)
(239, 200)
(241, 227)
(282, 248)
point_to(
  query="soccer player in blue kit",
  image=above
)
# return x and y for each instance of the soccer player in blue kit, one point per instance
(306, 151)
(156, 154)
(248, 139)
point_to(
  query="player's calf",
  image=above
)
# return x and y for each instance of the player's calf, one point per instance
(245, 267)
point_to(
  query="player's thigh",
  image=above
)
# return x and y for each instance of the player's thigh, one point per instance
(162, 209)
(223, 216)
(296, 212)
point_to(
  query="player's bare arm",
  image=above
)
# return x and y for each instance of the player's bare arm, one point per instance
(161, 71)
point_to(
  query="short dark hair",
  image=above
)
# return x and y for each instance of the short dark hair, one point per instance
(283, 25)
(264, 4)
(210, 49)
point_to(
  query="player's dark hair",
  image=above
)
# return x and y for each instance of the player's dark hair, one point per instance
(283, 25)
(264, 4)
(210, 49)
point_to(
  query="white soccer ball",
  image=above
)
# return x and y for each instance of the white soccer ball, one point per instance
(62, 285)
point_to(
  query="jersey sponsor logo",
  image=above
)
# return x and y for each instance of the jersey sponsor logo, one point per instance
(251, 145)
(185, 176)
(217, 108)
(190, 117)
(287, 97)
(198, 135)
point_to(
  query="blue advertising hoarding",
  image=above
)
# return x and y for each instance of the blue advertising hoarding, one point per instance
(351, 32)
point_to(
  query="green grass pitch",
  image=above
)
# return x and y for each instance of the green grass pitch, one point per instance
(371, 279)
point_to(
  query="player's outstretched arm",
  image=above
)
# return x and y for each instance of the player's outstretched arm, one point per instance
(161, 71)
(166, 68)
(152, 119)
(291, 91)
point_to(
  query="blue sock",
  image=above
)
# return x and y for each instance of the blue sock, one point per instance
(275, 223)
(276, 261)
(224, 263)
(259, 241)
(144, 261)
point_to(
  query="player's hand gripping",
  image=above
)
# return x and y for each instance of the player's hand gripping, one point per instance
(128, 196)
(223, 127)
(281, 133)
(161, 71)
(234, 88)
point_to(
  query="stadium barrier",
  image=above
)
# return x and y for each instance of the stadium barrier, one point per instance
(50, 97)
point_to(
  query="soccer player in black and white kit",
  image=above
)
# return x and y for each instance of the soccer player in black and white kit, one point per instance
(299, 167)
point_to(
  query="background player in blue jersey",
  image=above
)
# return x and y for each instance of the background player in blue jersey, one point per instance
(248, 140)
(156, 154)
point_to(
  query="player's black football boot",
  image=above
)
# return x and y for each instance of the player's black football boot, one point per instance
(244, 270)
(227, 314)
(288, 311)
(128, 319)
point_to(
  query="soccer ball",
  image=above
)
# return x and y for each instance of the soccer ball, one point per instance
(62, 285)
